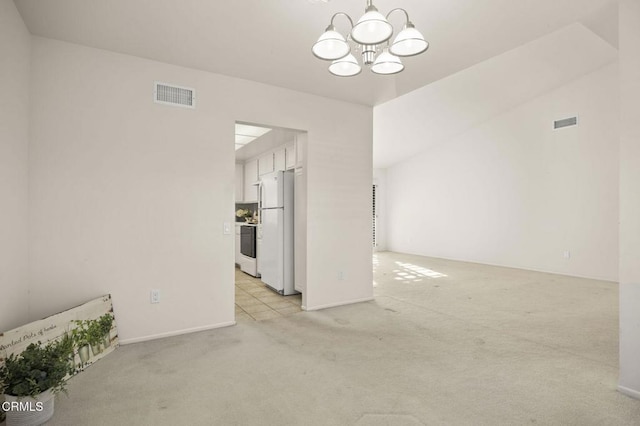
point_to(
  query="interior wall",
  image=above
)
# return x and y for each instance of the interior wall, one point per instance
(630, 198)
(447, 108)
(512, 191)
(128, 195)
(14, 158)
(380, 180)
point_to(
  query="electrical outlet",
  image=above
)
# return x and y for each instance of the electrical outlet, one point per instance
(566, 254)
(341, 275)
(155, 296)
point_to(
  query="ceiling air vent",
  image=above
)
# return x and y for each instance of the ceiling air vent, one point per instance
(565, 122)
(170, 94)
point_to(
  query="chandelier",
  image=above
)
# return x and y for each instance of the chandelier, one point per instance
(371, 35)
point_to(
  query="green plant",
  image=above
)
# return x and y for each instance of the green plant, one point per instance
(65, 346)
(80, 334)
(37, 369)
(105, 321)
(94, 332)
(244, 213)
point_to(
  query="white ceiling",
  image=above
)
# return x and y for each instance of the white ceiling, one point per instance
(437, 113)
(270, 41)
(269, 141)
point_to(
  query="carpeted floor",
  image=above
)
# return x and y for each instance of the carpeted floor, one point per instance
(444, 343)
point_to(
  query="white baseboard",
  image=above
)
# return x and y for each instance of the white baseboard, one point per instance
(175, 333)
(333, 305)
(629, 392)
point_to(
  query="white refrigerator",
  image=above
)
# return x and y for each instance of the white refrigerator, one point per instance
(276, 261)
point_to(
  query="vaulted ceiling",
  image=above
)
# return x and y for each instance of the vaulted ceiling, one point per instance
(270, 41)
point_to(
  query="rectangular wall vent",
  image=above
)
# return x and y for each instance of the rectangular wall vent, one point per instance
(170, 94)
(565, 122)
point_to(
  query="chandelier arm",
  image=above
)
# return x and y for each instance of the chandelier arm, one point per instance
(342, 14)
(406, 14)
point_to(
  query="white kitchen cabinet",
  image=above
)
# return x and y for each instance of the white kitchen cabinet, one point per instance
(265, 164)
(290, 156)
(279, 159)
(239, 182)
(250, 178)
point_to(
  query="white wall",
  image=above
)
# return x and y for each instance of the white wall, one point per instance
(380, 180)
(339, 268)
(14, 114)
(128, 195)
(449, 107)
(512, 191)
(630, 198)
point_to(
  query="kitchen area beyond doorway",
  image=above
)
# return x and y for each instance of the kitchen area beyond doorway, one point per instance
(269, 176)
(256, 302)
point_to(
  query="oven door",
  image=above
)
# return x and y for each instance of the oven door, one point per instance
(248, 241)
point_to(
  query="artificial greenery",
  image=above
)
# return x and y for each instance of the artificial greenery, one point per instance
(87, 332)
(105, 321)
(64, 347)
(92, 332)
(65, 344)
(80, 334)
(37, 369)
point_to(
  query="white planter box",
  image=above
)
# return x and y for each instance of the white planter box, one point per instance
(29, 411)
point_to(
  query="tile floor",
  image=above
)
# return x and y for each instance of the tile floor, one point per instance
(254, 301)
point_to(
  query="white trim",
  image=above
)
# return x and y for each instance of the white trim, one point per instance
(629, 392)
(175, 333)
(333, 305)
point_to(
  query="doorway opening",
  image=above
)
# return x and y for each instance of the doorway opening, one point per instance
(270, 214)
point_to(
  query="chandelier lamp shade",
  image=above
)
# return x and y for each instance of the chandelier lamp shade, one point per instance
(371, 38)
(345, 67)
(331, 45)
